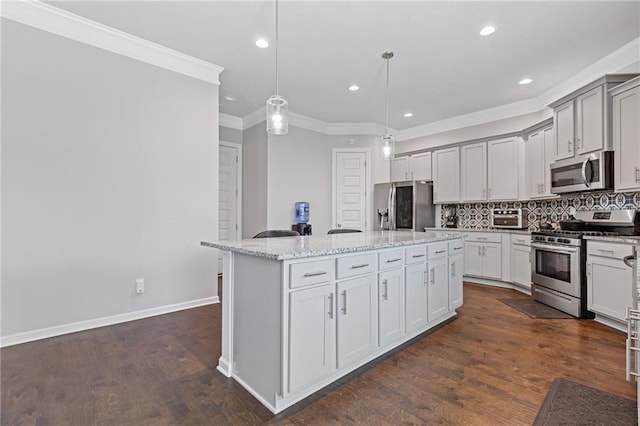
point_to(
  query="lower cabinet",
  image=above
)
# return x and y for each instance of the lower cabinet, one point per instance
(438, 288)
(456, 271)
(390, 306)
(312, 340)
(416, 297)
(609, 287)
(521, 265)
(483, 259)
(356, 319)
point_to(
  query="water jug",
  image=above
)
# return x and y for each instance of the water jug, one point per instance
(302, 212)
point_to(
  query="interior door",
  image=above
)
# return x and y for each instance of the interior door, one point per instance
(227, 196)
(351, 190)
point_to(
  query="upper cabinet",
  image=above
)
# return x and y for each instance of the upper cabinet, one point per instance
(582, 119)
(473, 173)
(626, 135)
(540, 153)
(503, 171)
(446, 175)
(412, 167)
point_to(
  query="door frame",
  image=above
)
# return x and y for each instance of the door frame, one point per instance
(238, 148)
(368, 183)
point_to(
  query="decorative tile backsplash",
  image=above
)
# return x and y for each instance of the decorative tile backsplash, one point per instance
(477, 215)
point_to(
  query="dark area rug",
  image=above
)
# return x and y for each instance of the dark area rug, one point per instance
(569, 403)
(535, 309)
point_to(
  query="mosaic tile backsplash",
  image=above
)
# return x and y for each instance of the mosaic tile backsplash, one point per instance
(477, 215)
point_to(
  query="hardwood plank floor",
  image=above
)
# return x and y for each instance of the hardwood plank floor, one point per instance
(491, 365)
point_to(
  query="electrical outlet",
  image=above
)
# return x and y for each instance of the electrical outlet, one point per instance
(572, 211)
(140, 285)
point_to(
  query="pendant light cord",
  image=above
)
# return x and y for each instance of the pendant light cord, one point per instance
(387, 95)
(277, 85)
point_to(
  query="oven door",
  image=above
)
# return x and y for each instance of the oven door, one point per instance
(556, 267)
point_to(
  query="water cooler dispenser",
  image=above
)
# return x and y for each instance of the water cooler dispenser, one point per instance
(302, 224)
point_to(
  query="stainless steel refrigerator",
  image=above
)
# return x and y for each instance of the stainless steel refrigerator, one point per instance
(403, 205)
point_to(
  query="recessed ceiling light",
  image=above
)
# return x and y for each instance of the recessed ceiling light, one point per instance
(408, 114)
(525, 81)
(353, 88)
(488, 30)
(262, 43)
(230, 98)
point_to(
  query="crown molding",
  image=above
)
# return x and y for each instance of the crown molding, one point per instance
(308, 123)
(230, 121)
(356, 129)
(613, 62)
(254, 118)
(60, 22)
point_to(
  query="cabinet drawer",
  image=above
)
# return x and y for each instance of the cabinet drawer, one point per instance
(307, 273)
(350, 266)
(485, 237)
(439, 250)
(613, 250)
(416, 254)
(523, 240)
(390, 259)
(455, 247)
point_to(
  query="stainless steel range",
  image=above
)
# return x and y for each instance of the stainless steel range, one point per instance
(558, 259)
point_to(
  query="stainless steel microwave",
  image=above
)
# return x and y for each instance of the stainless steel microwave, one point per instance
(583, 173)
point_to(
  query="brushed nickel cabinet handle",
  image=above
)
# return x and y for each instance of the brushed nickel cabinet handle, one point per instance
(315, 274)
(330, 313)
(362, 265)
(397, 259)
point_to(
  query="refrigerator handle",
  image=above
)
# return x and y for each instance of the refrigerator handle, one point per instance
(392, 209)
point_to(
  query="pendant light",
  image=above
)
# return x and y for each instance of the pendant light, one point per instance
(387, 138)
(277, 106)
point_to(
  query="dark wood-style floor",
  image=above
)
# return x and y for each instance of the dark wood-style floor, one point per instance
(492, 365)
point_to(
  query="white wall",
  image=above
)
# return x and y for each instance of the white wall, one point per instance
(230, 135)
(254, 180)
(109, 173)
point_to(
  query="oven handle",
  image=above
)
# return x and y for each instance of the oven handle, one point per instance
(556, 249)
(584, 172)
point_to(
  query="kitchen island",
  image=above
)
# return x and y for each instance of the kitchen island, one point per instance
(300, 312)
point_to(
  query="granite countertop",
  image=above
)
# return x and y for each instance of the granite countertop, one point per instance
(286, 248)
(614, 239)
(508, 231)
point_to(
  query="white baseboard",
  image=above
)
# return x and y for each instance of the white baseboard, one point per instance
(58, 330)
(620, 326)
(495, 283)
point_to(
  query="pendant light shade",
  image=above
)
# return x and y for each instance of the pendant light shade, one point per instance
(387, 140)
(277, 106)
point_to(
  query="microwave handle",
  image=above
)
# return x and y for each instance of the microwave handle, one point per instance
(584, 172)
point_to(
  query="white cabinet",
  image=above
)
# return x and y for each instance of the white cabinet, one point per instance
(415, 297)
(503, 170)
(609, 280)
(312, 341)
(413, 167)
(356, 319)
(564, 129)
(438, 288)
(456, 271)
(626, 136)
(390, 306)
(473, 161)
(590, 121)
(446, 175)
(483, 255)
(521, 260)
(539, 148)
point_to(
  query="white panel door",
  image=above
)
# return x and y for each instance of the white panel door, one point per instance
(521, 265)
(456, 269)
(311, 335)
(351, 190)
(502, 174)
(626, 140)
(473, 259)
(438, 289)
(227, 196)
(492, 260)
(609, 287)
(400, 169)
(535, 164)
(446, 176)
(356, 319)
(589, 121)
(473, 168)
(420, 166)
(549, 157)
(391, 306)
(563, 122)
(415, 297)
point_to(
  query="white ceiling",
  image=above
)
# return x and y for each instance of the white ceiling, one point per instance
(442, 68)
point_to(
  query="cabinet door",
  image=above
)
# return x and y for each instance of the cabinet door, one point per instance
(420, 166)
(549, 154)
(312, 354)
(521, 265)
(590, 121)
(438, 288)
(456, 269)
(416, 297)
(473, 258)
(492, 260)
(609, 287)
(473, 163)
(446, 177)
(535, 164)
(626, 139)
(503, 170)
(356, 319)
(400, 169)
(563, 123)
(390, 306)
